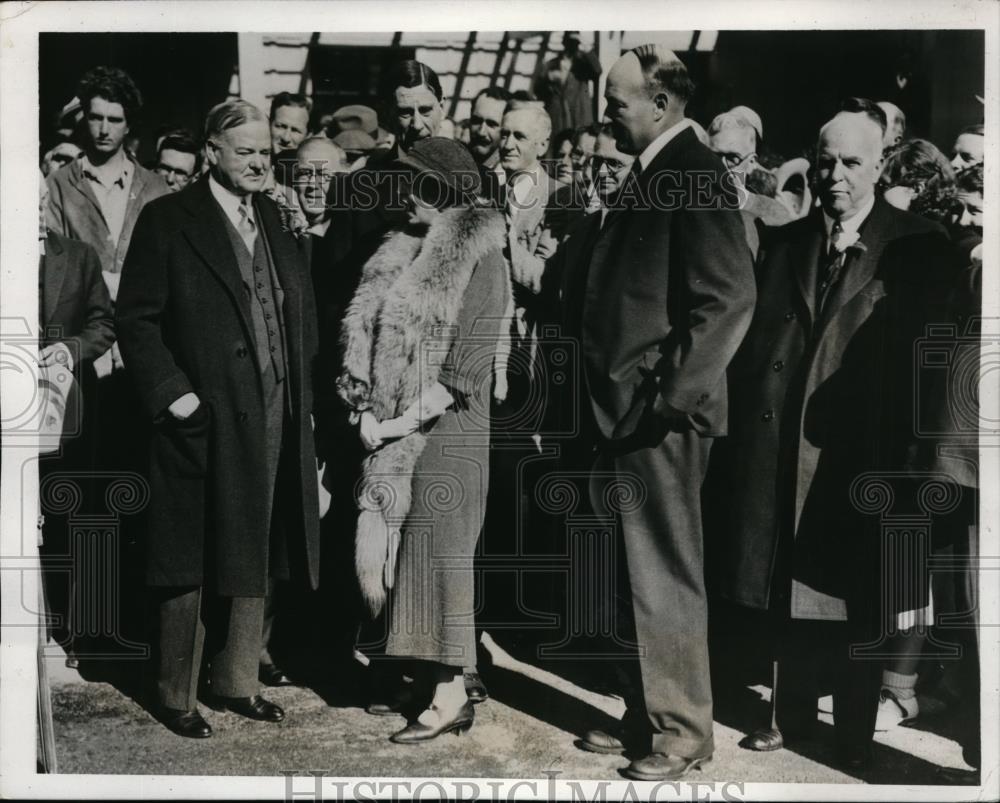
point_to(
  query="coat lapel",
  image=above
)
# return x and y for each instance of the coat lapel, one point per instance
(54, 265)
(207, 236)
(861, 262)
(805, 262)
(82, 185)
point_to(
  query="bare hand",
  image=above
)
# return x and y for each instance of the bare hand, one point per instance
(431, 404)
(547, 245)
(184, 407)
(369, 430)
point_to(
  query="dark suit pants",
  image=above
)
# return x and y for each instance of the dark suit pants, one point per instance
(813, 657)
(228, 628)
(660, 522)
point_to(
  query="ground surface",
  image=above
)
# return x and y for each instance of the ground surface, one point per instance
(528, 728)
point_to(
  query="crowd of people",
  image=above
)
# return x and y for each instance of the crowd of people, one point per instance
(285, 308)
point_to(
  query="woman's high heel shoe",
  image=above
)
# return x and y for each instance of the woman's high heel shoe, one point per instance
(418, 731)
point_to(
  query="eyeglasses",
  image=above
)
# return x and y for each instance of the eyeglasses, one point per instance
(304, 176)
(613, 165)
(733, 160)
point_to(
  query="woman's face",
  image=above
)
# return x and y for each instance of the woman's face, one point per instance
(421, 212)
(564, 161)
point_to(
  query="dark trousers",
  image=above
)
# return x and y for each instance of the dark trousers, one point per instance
(814, 657)
(659, 514)
(192, 623)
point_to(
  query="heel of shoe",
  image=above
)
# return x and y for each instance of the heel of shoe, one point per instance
(462, 729)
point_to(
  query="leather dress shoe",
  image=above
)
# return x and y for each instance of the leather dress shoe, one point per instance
(661, 767)
(855, 758)
(400, 699)
(185, 723)
(270, 675)
(418, 731)
(255, 707)
(475, 689)
(598, 741)
(764, 740)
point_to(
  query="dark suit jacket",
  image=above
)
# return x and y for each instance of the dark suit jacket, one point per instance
(819, 399)
(76, 307)
(668, 296)
(185, 325)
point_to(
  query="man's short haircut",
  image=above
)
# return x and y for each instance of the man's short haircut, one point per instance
(523, 96)
(495, 92)
(867, 107)
(670, 76)
(409, 74)
(970, 179)
(231, 114)
(183, 142)
(977, 129)
(290, 99)
(590, 130)
(542, 119)
(732, 120)
(111, 84)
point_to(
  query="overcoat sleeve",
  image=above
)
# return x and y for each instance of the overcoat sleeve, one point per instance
(142, 302)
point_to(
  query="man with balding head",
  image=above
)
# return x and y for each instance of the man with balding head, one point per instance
(822, 394)
(663, 291)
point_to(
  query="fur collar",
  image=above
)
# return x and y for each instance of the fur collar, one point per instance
(396, 332)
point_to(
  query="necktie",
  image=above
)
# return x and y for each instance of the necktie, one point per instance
(246, 227)
(834, 264)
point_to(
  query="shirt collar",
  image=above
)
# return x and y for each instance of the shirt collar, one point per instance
(851, 224)
(228, 200)
(658, 144)
(319, 229)
(94, 174)
(521, 185)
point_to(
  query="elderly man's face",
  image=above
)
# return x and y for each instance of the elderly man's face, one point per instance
(848, 164)
(736, 147)
(609, 166)
(484, 127)
(288, 128)
(176, 167)
(317, 162)
(968, 151)
(418, 114)
(523, 140)
(241, 156)
(106, 125)
(632, 112)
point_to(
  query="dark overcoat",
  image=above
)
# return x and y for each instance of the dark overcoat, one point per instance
(185, 326)
(815, 402)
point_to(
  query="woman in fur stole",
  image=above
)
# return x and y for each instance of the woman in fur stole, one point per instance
(420, 339)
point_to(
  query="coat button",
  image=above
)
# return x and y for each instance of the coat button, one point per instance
(790, 315)
(778, 365)
(241, 352)
(242, 416)
(767, 415)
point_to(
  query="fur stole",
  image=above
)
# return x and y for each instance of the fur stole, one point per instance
(396, 334)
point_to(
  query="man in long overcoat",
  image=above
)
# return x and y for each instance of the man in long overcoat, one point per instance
(821, 393)
(217, 326)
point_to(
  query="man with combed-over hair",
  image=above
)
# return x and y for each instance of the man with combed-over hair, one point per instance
(217, 323)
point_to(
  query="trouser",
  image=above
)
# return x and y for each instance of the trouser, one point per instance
(657, 493)
(814, 656)
(228, 628)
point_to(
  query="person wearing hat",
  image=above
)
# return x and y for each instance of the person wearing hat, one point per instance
(418, 387)
(357, 145)
(563, 84)
(354, 118)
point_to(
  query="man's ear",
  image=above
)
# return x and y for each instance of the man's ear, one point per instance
(662, 102)
(211, 154)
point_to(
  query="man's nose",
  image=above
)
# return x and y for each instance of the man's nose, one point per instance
(957, 162)
(965, 219)
(838, 171)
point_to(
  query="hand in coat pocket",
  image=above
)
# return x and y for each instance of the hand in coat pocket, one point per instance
(180, 445)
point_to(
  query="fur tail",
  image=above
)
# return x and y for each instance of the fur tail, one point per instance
(371, 549)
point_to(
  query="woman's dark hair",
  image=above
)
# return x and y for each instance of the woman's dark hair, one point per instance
(970, 179)
(919, 165)
(411, 73)
(113, 85)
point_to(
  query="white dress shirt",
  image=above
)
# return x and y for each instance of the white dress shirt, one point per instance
(849, 225)
(230, 203)
(660, 143)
